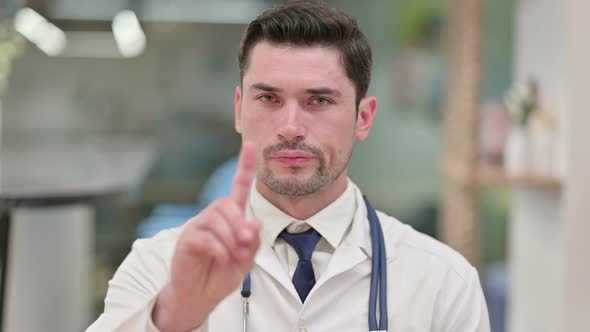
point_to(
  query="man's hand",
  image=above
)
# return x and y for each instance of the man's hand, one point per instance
(213, 255)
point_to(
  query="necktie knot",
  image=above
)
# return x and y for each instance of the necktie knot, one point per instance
(304, 243)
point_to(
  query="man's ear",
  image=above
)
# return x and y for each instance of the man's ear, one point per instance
(365, 117)
(238, 110)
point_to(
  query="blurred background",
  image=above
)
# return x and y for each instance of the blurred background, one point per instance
(117, 122)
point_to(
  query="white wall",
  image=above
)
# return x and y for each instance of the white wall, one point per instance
(549, 229)
(576, 207)
(535, 258)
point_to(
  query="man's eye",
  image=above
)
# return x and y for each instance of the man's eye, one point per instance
(321, 101)
(267, 98)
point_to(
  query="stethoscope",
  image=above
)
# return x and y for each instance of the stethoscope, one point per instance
(378, 278)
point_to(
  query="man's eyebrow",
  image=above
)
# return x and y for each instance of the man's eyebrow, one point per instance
(324, 91)
(313, 91)
(264, 87)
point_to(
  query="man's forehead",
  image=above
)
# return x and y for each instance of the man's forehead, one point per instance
(314, 65)
(266, 55)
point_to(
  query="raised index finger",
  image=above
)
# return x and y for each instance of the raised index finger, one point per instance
(243, 179)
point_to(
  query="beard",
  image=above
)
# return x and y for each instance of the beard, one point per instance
(292, 185)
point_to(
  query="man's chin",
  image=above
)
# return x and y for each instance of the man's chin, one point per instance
(300, 173)
(290, 184)
(292, 179)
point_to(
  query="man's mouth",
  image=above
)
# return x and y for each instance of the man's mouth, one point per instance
(293, 158)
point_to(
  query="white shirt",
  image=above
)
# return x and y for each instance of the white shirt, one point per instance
(430, 287)
(332, 223)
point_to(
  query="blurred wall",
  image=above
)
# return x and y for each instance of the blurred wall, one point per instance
(178, 94)
(186, 68)
(549, 230)
(536, 238)
(576, 208)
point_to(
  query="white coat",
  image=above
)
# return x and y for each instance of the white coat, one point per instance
(430, 287)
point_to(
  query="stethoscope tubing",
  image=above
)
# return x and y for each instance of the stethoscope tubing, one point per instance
(378, 277)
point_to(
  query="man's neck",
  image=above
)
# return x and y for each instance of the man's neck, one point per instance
(304, 207)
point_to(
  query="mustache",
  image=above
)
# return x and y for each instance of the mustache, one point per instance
(292, 146)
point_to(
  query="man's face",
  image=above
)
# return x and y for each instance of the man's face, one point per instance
(298, 106)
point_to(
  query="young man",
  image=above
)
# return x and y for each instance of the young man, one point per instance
(300, 230)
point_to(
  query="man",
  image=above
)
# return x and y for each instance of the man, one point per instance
(300, 108)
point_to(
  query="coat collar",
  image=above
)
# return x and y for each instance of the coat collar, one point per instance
(354, 249)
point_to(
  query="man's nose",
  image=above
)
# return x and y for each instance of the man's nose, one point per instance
(292, 125)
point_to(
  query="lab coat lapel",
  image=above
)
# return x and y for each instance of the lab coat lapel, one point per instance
(268, 261)
(355, 247)
(345, 258)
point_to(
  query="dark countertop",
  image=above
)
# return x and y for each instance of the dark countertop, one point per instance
(66, 173)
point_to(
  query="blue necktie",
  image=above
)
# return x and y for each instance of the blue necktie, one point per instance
(303, 243)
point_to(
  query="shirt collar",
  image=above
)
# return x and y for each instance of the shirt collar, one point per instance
(331, 222)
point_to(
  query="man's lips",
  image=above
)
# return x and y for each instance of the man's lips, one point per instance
(293, 154)
(293, 158)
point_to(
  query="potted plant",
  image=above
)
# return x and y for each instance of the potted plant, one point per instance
(522, 102)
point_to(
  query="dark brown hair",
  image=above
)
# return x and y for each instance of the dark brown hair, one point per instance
(310, 23)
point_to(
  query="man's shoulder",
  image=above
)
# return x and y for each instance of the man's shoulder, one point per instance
(162, 244)
(405, 243)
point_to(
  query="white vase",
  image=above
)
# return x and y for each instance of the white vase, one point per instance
(542, 143)
(517, 152)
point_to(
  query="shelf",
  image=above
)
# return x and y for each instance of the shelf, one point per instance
(495, 175)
